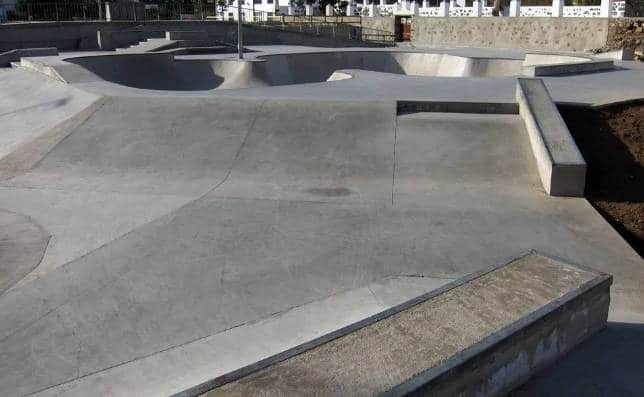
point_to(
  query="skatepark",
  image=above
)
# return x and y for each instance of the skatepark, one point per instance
(174, 218)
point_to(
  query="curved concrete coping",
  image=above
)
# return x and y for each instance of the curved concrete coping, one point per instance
(561, 167)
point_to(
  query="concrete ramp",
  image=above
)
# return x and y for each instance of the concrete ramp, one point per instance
(484, 334)
(111, 151)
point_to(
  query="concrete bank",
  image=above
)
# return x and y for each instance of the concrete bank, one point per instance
(484, 334)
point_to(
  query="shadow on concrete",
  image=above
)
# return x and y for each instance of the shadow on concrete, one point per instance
(609, 140)
(611, 363)
(49, 104)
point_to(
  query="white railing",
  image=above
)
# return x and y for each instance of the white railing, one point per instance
(405, 7)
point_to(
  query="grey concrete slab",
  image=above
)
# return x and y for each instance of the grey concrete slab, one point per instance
(135, 145)
(320, 151)
(222, 261)
(80, 222)
(22, 245)
(198, 361)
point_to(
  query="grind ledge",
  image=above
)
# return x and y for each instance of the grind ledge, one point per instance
(484, 334)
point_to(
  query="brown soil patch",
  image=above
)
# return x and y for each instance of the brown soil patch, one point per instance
(611, 140)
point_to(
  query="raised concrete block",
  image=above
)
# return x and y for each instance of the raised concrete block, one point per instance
(484, 334)
(186, 35)
(568, 68)
(560, 164)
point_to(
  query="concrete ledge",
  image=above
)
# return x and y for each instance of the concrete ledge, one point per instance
(14, 55)
(406, 107)
(560, 164)
(484, 334)
(111, 40)
(625, 54)
(186, 35)
(568, 68)
(40, 67)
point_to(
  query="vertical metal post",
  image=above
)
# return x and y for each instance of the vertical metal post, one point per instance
(100, 10)
(240, 44)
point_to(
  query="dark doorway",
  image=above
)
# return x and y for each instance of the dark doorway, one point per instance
(403, 28)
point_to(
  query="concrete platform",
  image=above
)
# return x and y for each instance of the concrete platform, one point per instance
(480, 335)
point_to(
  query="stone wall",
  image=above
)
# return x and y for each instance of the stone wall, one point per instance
(562, 34)
(625, 33)
(380, 23)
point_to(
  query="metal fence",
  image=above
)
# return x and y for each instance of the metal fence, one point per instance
(340, 27)
(28, 12)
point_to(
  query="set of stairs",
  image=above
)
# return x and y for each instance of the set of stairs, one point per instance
(147, 45)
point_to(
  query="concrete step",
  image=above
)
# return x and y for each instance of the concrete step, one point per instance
(484, 334)
(147, 45)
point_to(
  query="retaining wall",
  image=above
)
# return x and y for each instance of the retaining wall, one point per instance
(564, 34)
(381, 23)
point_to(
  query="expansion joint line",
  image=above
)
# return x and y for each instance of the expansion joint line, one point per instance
(393, 174)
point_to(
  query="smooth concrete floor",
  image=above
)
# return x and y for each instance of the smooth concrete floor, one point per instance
(176, 218)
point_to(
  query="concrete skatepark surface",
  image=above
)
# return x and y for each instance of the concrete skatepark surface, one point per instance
(177, 217)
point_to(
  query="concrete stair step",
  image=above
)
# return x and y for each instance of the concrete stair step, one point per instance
(484, 334)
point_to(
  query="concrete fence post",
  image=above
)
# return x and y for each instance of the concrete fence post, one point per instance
(413, 8)
(515, 8)
(557, 8)
(606, 9)
(477, 8)
(349, 11)
(443, 9)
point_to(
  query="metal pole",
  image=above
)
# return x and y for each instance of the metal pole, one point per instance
(240, 45)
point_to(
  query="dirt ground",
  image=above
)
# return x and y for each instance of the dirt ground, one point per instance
(611, 140)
